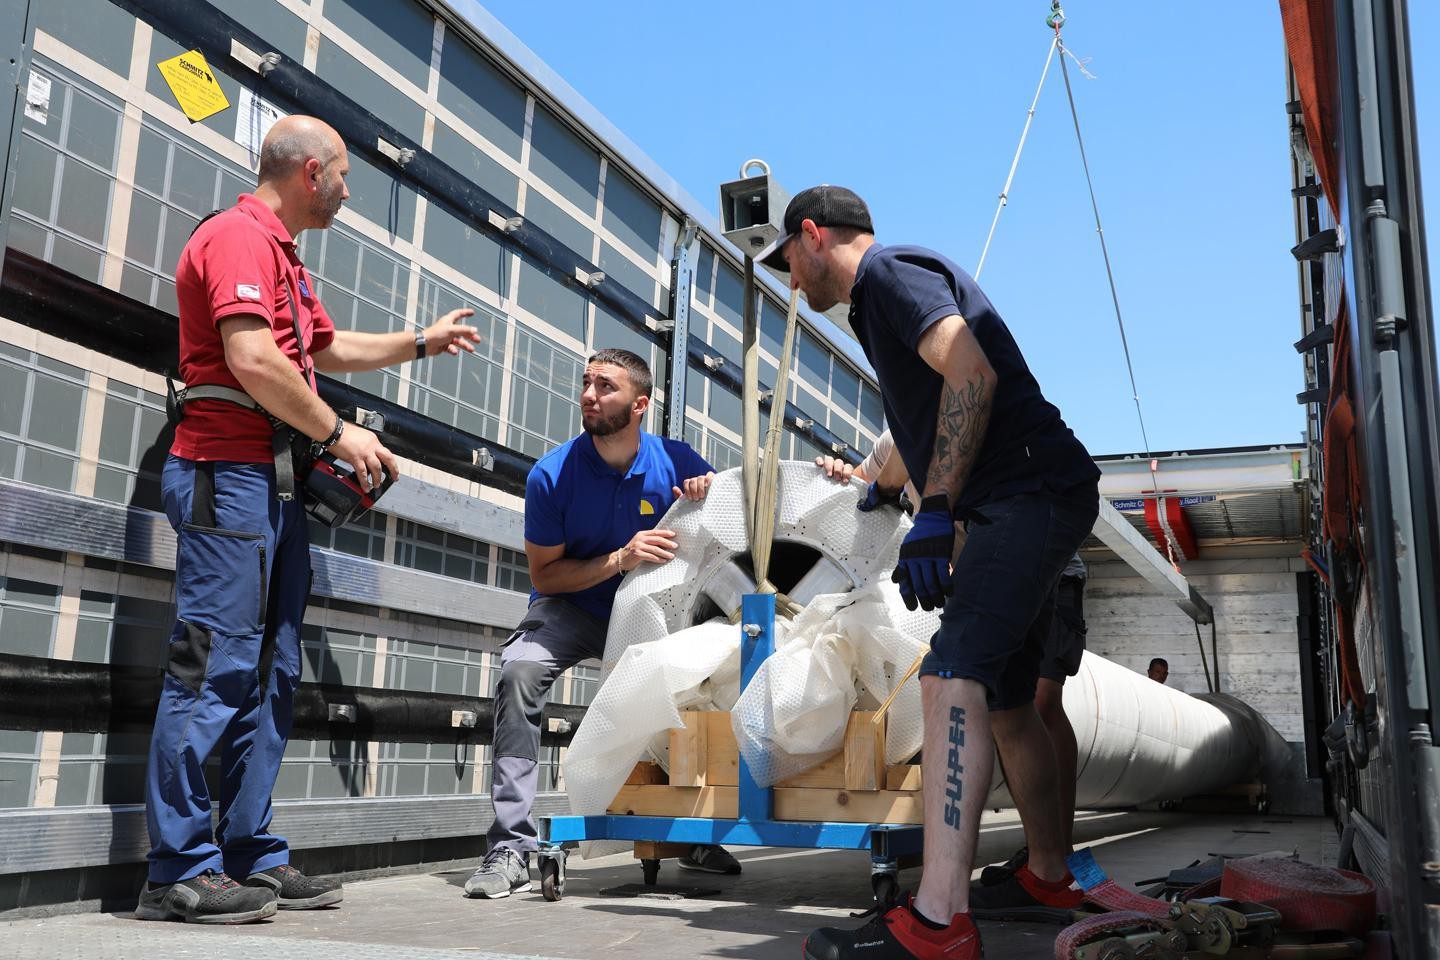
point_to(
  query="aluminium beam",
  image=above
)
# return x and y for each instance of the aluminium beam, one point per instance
(1113, 530)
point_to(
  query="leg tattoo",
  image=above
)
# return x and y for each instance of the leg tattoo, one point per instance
(954, 768)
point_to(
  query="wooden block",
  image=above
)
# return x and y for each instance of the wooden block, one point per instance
(809, 805)
(722, 757)
(688, 751)
(658, 850)
(647, 800)
(864, 753)
(903, 776)
(647, 772)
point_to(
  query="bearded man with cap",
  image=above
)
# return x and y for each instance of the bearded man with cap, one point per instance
(982, 445)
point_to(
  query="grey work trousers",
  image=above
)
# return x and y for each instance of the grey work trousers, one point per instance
(554, 636)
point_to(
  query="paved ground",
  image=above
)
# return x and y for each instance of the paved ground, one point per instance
(762, 914)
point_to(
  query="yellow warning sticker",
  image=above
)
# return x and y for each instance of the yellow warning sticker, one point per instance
(194, 85)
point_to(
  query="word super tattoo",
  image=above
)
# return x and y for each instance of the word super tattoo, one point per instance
(954, 768)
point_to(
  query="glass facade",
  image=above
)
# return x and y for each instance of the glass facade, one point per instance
(110, 188)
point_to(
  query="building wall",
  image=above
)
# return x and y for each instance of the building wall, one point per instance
(109, 184)
(1256, 604)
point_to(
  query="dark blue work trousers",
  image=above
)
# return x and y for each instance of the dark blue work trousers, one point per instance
(242, 578)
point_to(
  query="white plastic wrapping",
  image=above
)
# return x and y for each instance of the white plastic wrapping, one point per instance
(849, 551)
(1138, 740)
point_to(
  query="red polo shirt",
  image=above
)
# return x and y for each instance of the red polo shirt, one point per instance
(238, 262)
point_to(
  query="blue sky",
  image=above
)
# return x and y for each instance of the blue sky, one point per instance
(918, 106)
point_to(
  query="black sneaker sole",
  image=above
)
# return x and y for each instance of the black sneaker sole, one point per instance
(164, 911)
(1035, 914)
(328, 898)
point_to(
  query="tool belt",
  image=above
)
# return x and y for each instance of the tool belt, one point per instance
(291, 449)
(332, 494)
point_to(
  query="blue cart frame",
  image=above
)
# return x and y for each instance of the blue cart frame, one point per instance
(755, 825)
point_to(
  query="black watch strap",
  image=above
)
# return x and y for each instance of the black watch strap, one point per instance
(420, 344)
(320, 446)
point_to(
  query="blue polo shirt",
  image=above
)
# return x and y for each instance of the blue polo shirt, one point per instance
(899, 293)
(575, 499)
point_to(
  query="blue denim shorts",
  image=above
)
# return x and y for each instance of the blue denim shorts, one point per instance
(991, 629)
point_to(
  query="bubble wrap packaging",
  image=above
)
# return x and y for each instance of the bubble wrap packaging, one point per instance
(845, 649)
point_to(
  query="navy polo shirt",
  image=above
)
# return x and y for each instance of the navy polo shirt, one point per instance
(899, 293)
(575, 499)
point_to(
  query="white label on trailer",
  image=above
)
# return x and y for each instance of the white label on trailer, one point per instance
(254, 117)
(37, 98)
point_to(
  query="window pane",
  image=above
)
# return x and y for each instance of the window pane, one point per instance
(844, 388)
(400, 34)
(630, 214)
(704, 267)
(76, 258)
(142, 239)
(380, 198)
(563, 160)
(364, 86)
(97, 28)
(463, 247)
(559, 224)
(621, 270)
(34, 173)
(117, 431)
(552, 299)
(475, 164)
(58, 407)
(730, 295)
(282, 29)
(481, 95)
(814, 364)
(93, 128)
(612, 332)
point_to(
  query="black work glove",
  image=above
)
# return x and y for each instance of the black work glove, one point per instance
(923, 570)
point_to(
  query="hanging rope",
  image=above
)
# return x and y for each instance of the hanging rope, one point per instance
(1010, 177)
(1104, 249)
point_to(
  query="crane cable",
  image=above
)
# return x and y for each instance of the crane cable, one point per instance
(1055, 21)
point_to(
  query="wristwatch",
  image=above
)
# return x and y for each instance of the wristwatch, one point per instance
(317, 447)
(420, 344)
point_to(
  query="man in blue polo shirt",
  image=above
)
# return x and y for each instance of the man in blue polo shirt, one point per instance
(591, 506)
(982, 445)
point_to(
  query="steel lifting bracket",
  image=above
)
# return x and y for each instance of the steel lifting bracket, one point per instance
(483, 458)
(370, 419)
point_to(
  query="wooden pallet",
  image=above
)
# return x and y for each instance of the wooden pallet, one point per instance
(854, 786)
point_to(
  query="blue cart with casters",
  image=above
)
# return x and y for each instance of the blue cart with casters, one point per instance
(754, 826)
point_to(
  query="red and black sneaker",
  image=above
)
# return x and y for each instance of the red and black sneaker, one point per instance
(998, 873)
(1024, 896)
(897, 932)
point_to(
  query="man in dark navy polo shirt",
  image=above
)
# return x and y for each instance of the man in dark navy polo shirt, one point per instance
(982, 445)
(591, 506)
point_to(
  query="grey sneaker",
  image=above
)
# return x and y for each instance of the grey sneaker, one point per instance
(709, 858)
(502, 873)
(294, 890)
(208, 898)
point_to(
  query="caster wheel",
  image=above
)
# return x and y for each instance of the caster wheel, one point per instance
(884, 887)
(651, 869)
(552, 888)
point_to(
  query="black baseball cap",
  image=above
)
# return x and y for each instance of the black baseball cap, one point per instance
(828, 206)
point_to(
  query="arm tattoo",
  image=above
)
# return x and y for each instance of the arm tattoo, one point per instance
(954, 769)
(959, 431)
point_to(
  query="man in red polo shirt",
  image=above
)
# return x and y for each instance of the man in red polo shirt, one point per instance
(250, 322)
